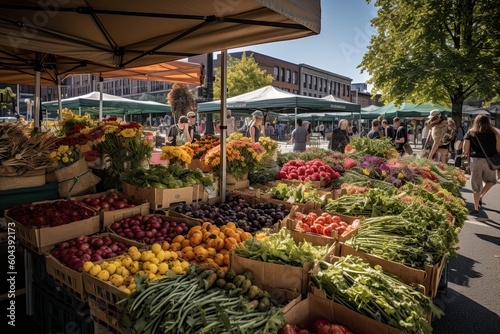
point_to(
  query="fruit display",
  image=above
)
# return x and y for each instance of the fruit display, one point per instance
(109, 202)
(201, 301)
(49, 213)
(302, 193)
(74, 253)
(161, 177)
(314, 170)
(320, 326)
(237, 210)
(324, 224)
(120, 271)
(208, 244)
(149, 229)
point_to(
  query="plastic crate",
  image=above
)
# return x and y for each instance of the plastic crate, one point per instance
(53, 315)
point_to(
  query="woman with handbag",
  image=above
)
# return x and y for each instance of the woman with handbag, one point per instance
(482, 147)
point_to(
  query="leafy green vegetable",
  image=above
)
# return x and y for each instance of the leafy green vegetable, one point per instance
(302, 193)
(354, 284)
(161, 177)
(280, 248)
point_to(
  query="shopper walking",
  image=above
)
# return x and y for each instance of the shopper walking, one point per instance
(425, 133)
(439, 128)
(256, 129)
(192, 126)
(300, 137)
(339, 137)
(480, 142)
(389, 130)
(401, 137)
(230, 123)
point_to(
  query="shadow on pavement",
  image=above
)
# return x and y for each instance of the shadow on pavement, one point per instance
(461, 270)
(465, 190)
(489, 238)
(463, 315)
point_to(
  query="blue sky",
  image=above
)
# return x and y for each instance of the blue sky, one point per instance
(339, 48)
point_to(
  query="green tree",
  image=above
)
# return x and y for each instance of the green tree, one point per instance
(7, 98)
(435, 50)
(181, 100)
(243, 75)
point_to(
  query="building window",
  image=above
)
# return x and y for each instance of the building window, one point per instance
(276, 73)
(343, 91)
(347, 87)
(305, 94)
(294, 77)
(326, 86)
(288, 76)
(305, 81)
(338, 88)
(282, 74)
(310, 94)
(315, 83)
(314, 95)
(295, 91)
(320, 84)
(310, 81)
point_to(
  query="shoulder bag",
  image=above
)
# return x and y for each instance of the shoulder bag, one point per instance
(494, 161)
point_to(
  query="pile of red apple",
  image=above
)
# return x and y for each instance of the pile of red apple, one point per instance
(110, 202)
(50, 213)
(314, 170)
(324, 224)
(149, 229)
(74, 253)
(321, 326)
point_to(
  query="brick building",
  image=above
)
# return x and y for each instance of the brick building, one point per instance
(317, 82)
(360, 95)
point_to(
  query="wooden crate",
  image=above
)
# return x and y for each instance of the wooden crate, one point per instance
(245, 184)
(196, 163)
(72, 280)
(159, 198)
(42, 240)
(109, 217)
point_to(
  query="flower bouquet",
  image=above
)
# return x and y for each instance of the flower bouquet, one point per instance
(242, 157)
(202, 146)
(270, 147)
(177, 154)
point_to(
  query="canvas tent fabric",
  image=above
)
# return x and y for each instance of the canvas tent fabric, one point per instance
(405, 110)
(270, 98)
(370, 108)
(111, 103)
(129, 33)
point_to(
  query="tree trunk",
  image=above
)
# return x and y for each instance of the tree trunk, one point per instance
(456, 110)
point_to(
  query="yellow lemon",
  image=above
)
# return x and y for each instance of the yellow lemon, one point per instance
(154, 261)
(146, 265)
(131, 286)
(104, 265)
(184, 265)
(136, 256)
(111, 268)
(162, 268)
(103, 275)
(87, 266)
(118, 281)
(127, 261)
(132, 250)
(95, 270)
(119, 270)
(125, 273)
(177, 270)
(173, 256)
(156, 248)
(127, 291)
(153, 268)
(160, 256)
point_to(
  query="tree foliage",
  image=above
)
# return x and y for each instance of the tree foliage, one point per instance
(243, 75)
(435, 50)
(181, 100)
(8, 97)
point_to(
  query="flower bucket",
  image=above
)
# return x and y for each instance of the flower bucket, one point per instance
(75, 179)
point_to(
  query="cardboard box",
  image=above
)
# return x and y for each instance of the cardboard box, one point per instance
(109, 217)
(72, 280)
(428, 279)
(234, 180)
(42, 240)
(159, 198)
(317, 306)
(317, 239)
(315, 184)
(238, 185)
(276, 275)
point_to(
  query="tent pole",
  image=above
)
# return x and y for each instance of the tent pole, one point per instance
(223, 130)
(79, 111)
(124, 119)
(101, 80)
(17, 102)
(150, 120)
(295, 117)
(59, 97)
(37, 111)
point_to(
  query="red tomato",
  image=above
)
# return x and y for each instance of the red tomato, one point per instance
(328, 231)
(336, 219)
(320, 220)
(326, 214)
(335, 226)
(343, 224)
(307, 220)
(313, 215)
(316, 228)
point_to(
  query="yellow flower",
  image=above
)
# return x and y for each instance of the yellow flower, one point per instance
(383, 172)
(71, 159)
(65, 159)
(53, 154)
(365, 172)
(63, 149)
(400, 175)
(127, 133)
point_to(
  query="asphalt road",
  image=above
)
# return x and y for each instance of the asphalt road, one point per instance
(472, 300)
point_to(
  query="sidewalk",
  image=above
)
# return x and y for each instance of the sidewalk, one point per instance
(472, 301)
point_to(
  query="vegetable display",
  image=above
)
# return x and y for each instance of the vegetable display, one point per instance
(314, 170)
(302, 193)
(149, 229)
(373, 203)
(202, 301)
(321, 326)
(235, 209)
(325, 224)
(74, 253)
(373, 293)
(280, 248)
(356, 179)
(173, 176)
(108, 202)
(153, 264)
(49, 214)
